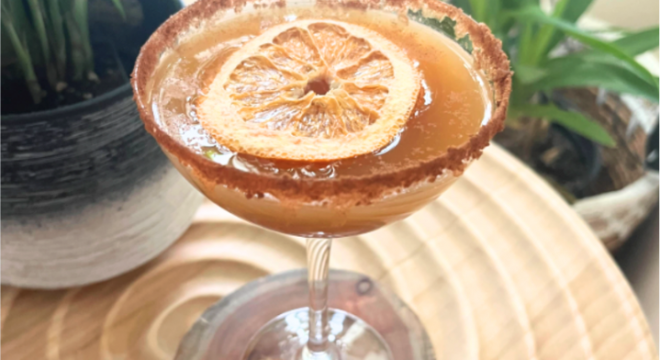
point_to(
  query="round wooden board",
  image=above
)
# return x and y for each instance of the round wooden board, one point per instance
(498, 268)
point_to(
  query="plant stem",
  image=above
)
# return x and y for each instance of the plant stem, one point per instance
(59, 40)
(77, 52)
(40, 27)
(80, 15)
(546, 33)
(24, 60)
(525, 45)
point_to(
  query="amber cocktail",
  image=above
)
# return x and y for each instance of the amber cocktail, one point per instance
(322, 120)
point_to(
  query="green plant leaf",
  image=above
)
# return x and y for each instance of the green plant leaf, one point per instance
(57, 36)
(40, 27)
(546, 33)
(8, 53)
(573, 121)
(25, 30)
(639, 42)
(529, 74)
(120, 8)
(533, 13)
(463, 5)
(583, 71)
(20, 48)
(77, 52)
(479, 9)
(571, 13)
(486, 11)
(516, 4)
(80, 16)
(526, 44)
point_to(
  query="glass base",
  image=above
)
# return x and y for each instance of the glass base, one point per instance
(285, 337)
(267, 319)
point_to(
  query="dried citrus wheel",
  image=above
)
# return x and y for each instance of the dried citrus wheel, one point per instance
(311, 90)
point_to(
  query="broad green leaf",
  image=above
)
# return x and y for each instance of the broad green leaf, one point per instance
(639, 42)
(479, 9)
(486, 11)
(494, 18)
(573, 11)
(526, 44)
(535, 13)
(529, 74)
(574, 71)
(573, 121)
(516, 4)
(546, 32)
(504, 23)
(521, 93)
(633, 44)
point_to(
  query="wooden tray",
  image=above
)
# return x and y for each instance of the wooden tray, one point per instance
(498, 268)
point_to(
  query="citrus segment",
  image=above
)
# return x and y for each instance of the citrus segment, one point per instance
(337, 47)
(311, 90)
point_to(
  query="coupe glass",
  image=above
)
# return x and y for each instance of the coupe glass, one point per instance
(286, 316)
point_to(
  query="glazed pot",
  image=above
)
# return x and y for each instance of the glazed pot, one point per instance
(87, 193)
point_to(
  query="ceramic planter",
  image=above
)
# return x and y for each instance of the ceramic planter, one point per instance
(87, 194)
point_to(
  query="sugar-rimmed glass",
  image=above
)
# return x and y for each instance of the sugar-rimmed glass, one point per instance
(317, 332)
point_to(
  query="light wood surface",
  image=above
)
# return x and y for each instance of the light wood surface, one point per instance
(498, 268)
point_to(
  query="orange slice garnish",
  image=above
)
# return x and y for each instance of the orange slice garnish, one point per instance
(311, 90)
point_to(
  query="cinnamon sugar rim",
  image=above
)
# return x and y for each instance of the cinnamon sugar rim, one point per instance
(347, 190)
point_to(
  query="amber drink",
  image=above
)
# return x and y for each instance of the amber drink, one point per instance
(453, 103)
(319, 119)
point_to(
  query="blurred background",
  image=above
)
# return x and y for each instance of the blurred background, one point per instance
(639, 258)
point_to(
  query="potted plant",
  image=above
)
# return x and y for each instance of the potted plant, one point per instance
(568, 119)
(86, 192)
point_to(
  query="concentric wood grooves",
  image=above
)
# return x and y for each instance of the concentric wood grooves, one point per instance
(498, 268)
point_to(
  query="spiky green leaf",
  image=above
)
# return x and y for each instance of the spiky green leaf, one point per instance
(571, 13)
(573, 121)
(120, 8)
(533, 13)
(582, 70)
(639, 42)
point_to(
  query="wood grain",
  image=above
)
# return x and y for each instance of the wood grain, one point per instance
(498, 268)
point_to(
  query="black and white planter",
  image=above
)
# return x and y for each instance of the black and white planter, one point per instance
(87, 194)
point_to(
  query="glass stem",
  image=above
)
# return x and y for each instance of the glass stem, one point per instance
(318, 265)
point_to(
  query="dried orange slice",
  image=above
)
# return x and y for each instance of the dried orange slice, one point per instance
(311, 90)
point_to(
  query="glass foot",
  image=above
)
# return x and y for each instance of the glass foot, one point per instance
(285, 337)
(267, 319)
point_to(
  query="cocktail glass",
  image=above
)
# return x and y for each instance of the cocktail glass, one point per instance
(268, 319)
